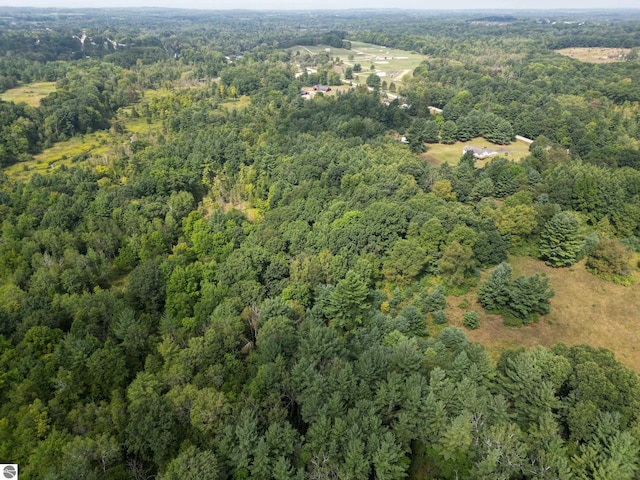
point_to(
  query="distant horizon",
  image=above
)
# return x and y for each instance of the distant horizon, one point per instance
(332, 5)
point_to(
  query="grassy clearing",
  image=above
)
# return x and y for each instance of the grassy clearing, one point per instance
(585, 310)
(141, 126)
(394, 64)
(97, 148)
(595, 55)
(29, 94)
(237, 103)
(69, 152)
(149, 94)
(440, 153)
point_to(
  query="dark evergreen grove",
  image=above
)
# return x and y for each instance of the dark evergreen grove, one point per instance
(257, 288)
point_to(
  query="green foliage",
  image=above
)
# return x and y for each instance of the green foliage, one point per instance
(373, 81)
(431, 301)
(405, 261)
(517, 221)
(448, 132)
(471, 320)
(152, 430)
(523, 298)
(439, 317)
(609, 259)
(560, 244)
(347, 302)
(192, 464)
(146, 287)
(493, 294)
(348, 73)
(205, 294)
(457, 264)
(416, 322)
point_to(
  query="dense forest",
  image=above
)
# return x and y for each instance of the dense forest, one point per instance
(255, 284)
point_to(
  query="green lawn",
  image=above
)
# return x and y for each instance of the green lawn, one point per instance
(395, 64)
(439, 153)
(29, 94)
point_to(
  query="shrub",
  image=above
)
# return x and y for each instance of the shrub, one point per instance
(430, 302)
(609, 258)
(471, 320)
(439, 317)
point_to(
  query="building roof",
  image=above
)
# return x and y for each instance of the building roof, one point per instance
(479, 152)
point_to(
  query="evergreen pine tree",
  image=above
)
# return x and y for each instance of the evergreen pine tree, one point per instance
(494, 293)
(560, 245)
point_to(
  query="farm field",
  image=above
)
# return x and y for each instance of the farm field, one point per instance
(585, 310)
(393, 63)
(595, 54)
(440, 153)
(29, 94)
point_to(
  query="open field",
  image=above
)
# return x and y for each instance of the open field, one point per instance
(29, 94)
(392, 63)
(90, 149)
(237, 103)
(585, 310)
(74, 151)
(438, 153)
(595, 54)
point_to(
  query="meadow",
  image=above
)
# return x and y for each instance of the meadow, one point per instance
(99, 148)
(584, 310)
(31, 94)
(75, 151)
(595, 54)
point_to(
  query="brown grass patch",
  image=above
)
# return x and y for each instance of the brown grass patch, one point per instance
(595, 54)
(585, 310)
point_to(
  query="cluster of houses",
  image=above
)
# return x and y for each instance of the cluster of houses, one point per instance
(316, 88)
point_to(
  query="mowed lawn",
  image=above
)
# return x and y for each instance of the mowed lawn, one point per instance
(393, 63)
(585, 310)
(29, 94)
(595, 54)
(439, 153)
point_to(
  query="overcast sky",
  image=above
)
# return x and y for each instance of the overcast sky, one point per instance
(331, 4)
